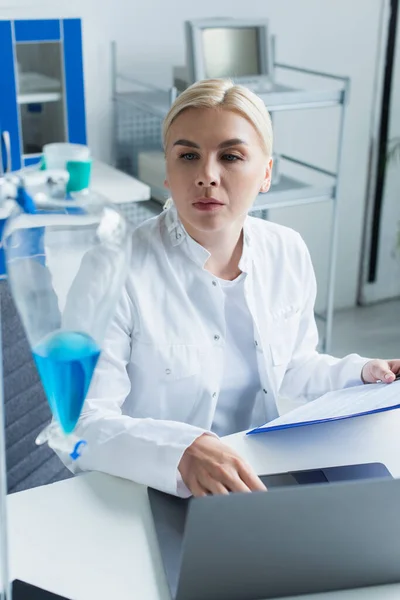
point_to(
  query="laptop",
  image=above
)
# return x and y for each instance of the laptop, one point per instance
(313, 531)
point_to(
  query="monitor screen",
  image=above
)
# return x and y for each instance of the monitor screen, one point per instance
(231, 52)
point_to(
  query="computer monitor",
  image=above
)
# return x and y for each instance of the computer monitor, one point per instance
(235, 48)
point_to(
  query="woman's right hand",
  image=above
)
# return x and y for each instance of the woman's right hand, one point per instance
(208, 466)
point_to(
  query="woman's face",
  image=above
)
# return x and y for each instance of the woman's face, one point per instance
(216, 166)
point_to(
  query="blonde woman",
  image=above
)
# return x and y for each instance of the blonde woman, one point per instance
(216, 318)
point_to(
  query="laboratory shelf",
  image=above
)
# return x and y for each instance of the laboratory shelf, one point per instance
(286, 98)
(293, 192)
(280, 98)
(35, 88)
(156, 103)
(37, 82)
(39, 98)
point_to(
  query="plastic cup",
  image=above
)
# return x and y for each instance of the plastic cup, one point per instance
(79, 175)
(56, 156)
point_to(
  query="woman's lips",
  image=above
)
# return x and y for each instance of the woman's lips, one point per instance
(208, 204)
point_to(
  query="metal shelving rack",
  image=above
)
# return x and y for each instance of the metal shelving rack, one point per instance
(139, 110)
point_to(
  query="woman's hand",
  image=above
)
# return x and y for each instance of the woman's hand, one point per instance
(380, 370)
(210, 467)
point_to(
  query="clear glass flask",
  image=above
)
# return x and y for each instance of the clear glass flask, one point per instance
(66, 259)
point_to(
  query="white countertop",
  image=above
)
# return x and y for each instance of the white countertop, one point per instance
(93, 536)
(117, 186)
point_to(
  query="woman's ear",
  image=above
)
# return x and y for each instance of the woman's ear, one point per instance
(266, 183)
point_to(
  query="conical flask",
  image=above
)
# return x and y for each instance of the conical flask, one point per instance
(66, 265)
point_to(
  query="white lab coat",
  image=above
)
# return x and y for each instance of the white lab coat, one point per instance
(157, 382)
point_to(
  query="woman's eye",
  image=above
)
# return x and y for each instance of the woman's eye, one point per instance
(230, 157)
(188, 156)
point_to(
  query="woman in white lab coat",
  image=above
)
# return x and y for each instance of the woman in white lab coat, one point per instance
(217, 315)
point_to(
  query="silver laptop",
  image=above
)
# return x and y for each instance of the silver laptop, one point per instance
(313, 531)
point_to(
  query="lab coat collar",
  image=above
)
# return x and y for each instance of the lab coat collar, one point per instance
(178, 235)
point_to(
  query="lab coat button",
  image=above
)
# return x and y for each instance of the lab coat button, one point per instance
(214, 395)
(216, 338)
(265, 391)
(255, 343)
(168, 371)
(214, 283)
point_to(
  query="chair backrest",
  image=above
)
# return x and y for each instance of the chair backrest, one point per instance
(26, 408)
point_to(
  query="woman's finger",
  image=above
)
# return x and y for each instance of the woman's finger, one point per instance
(198, 490)
(232, 481)
(394, 366)
(381, 371)
(212, 485)
(377, 370)
(252, 481)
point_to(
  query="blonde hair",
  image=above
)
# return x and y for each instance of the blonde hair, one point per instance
(223, 93)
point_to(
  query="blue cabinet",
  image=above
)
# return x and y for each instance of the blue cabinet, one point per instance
(42, 89)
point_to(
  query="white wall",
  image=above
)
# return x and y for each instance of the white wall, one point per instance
(333, 35)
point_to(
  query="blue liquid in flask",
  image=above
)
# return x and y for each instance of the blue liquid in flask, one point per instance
(66, 361)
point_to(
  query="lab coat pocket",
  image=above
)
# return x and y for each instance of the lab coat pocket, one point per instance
(166, 380)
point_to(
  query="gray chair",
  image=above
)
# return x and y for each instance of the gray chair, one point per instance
(26, 408)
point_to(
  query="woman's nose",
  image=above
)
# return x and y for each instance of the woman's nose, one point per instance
(207, 177)
(205, 182)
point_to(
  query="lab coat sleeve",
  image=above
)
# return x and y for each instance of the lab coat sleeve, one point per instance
(144, 450)
(310, 374)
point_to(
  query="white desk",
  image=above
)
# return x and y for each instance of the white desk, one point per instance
(117, 186)
(92, 537)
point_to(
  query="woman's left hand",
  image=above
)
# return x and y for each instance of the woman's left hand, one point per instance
(380, 370)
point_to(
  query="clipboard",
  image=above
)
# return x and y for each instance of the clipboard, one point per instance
(349, 403)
